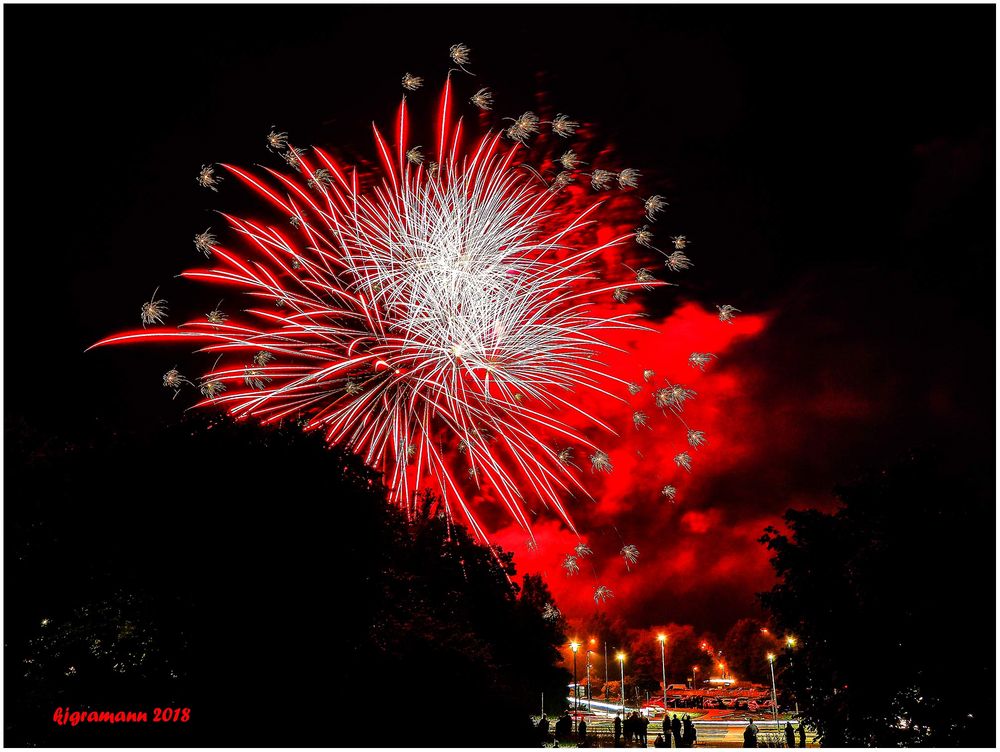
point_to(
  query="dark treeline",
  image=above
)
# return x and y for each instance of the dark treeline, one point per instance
(892, 599)
(259, 579)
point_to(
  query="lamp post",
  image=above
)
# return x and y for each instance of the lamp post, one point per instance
(590, 698)
(774, 690)
(621, 662)
(663, 664)
(605, 669)
(576, 689)
(790, 642)
(694, 681)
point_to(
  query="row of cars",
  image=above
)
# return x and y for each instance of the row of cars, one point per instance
(752, 699)
(753, 704)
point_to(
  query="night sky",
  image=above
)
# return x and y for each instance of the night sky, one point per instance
(833, 167)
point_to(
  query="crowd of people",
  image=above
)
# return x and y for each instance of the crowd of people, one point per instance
(634, 730)
(679, 730)
(751, 731)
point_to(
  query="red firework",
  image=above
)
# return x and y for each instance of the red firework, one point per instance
(438, 319)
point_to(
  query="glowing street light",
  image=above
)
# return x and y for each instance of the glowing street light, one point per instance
(791, 642)
(590, 699)
(774, 689)
(694, 682)
(574, 646)
(605, 669)
(621, 662)
(663, 663)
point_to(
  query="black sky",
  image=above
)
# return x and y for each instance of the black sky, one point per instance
(834, 164)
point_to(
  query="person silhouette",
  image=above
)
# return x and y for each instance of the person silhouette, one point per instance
(618, 729)
(789, 734)
(543, 729)
(802, 734)
(675, 728)
(690, 734)
(564, 727)
(750, 735)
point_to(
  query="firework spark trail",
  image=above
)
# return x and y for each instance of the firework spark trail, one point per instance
(454, 304)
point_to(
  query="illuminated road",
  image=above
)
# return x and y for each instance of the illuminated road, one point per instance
(715, 728)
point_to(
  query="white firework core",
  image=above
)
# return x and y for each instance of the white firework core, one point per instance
(464, 306)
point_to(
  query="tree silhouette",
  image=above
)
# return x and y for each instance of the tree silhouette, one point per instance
(891, 599)
(261, 580)
(745, 650)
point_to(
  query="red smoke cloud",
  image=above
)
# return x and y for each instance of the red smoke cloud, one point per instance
(683, 545)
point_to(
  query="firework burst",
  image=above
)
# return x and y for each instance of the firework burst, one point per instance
(153, 311)
(630, 553)
(419, 310)
(696, 438)
(602, 593)
(653, 206)
(570, 565)
(411, 82)
(435, 318)
(569, 160)
(677, 261)
(276, 140)
(483, 99)
(563, 126)
(726, 313)
(551, 613)
(208, 179)
(204, 241)
(700, 360)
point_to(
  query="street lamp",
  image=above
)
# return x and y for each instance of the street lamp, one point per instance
(663, 663)
(590, 698)
(694, 682)
(621, 662)
(774, 690)
(576, 689)
(605, 669)
(791, 642)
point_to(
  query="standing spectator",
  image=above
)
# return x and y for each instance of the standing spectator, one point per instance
(618, 729)
(690, 735)
(666, 728)
(789, 734)
(564, 727)
(750, 735)
(675, 727)
(802, 734)
(581, 732)
(644, 730)
(543, 729)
